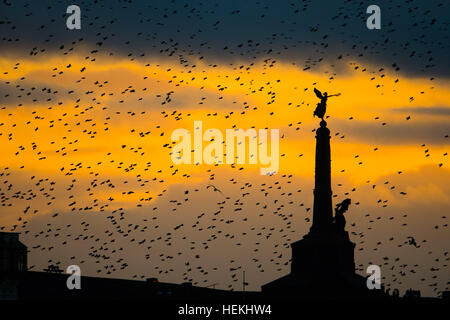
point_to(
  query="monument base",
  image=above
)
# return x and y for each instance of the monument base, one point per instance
(323, 252)
(322, 267)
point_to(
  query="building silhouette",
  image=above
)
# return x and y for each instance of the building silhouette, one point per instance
(13, 264)
(13, 253)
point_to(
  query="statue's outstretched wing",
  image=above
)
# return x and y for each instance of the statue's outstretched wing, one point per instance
(318, 93)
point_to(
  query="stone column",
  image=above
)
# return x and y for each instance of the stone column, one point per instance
(322, 209)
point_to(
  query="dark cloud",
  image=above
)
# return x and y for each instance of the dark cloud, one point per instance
(409, 132)
(26, 93)
(414, 35)
(432, 111)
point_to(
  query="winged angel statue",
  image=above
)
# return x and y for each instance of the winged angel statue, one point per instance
(322, 105)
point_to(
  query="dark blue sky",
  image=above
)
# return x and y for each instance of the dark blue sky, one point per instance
(414, 34)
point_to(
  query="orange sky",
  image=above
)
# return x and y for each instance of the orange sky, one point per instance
(90, 139)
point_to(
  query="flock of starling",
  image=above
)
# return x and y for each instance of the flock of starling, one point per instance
(86, 117)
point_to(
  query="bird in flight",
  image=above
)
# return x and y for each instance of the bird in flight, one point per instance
(214, 188)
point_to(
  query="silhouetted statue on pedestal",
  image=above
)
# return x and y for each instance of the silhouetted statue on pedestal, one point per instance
(339, 219)
(322, 105)
(323, 262)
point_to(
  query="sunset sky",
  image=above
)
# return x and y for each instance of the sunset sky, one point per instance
(86, 118)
